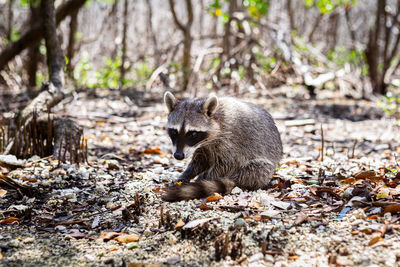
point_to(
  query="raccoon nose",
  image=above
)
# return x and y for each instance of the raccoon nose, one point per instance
(179, 155)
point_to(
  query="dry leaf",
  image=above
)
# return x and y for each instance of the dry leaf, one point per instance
(364, 174)
(374, 240)
(178, 183)
(179, 224)
(203, 206)
(159, 190)
(2, 192)
(32, 180)
(1, 256)
(127, 238)
(113, 249)
(214, 197)
(300, 219)
(105, 236)
(256, 204)
(294, 258)
(9, 220)
(154, 151)
(392, 208)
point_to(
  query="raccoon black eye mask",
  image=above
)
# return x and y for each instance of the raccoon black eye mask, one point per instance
(236, 144)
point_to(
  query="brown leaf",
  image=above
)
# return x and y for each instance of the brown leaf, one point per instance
(392, 208)
(2, 192)
(153, 151)
(127, 238)
(364, 174)
(301, 218)
(179, 224)
(204, 206)
(159, 190)
(214, 197)
(105, 236)
(1, 256)
(113, 249)
(31, 180)
(9, 220)
(256, 204)
(374, 240)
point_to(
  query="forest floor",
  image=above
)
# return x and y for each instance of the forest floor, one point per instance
(341, 209)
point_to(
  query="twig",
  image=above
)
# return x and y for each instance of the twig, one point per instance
(322, 143)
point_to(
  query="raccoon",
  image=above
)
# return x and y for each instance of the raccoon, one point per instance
(232, 143)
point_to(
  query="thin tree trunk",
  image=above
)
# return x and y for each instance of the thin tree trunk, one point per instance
(33, 53)
(55, 59)
(152, 33)
(10, 19)
(289, 9)
(124, 44)
(73, 27)
(35, 33)
(187, 41)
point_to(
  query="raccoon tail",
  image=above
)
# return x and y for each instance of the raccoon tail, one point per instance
(198, 189)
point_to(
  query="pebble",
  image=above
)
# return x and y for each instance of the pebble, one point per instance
(60, 228)
(240, 222)
(256, 257)
(14, 243)
(28, 240)
(236, 190)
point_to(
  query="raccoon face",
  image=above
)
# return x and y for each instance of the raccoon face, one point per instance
(189, 123)
(185, 142)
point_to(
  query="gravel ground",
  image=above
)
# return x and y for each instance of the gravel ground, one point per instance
(319, 212)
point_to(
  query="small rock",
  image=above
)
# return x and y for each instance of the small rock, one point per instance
(158, 170)
(14, 243)
(240, 222)
(28, 240)
(237, 190)
(90, 257)
(60, 228)
(174, 259)
(256, 257)
(11, 160)
(172, 240)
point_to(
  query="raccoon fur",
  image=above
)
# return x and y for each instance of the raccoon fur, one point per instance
(232, 143)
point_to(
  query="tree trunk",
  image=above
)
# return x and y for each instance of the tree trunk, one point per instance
(35, 33)
(33, 53)
(55, 59)
(10, 19)
(289, 9)
(73, 27)
(152, 33)
(124, 44)
(187, 41)
(373, 51)
(66, 133)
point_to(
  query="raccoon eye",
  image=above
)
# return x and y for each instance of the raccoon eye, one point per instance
(192, 134)
(173, 133)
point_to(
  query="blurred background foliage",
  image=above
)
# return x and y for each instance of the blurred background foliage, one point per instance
(346, 47)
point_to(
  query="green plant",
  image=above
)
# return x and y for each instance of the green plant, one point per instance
(328, 6)
(82, 72)
(390, 103)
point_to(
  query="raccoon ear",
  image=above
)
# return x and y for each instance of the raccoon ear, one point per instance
(170, 101)
(211, 104)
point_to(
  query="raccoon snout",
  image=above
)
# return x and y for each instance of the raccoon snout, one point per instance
(179, 155)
